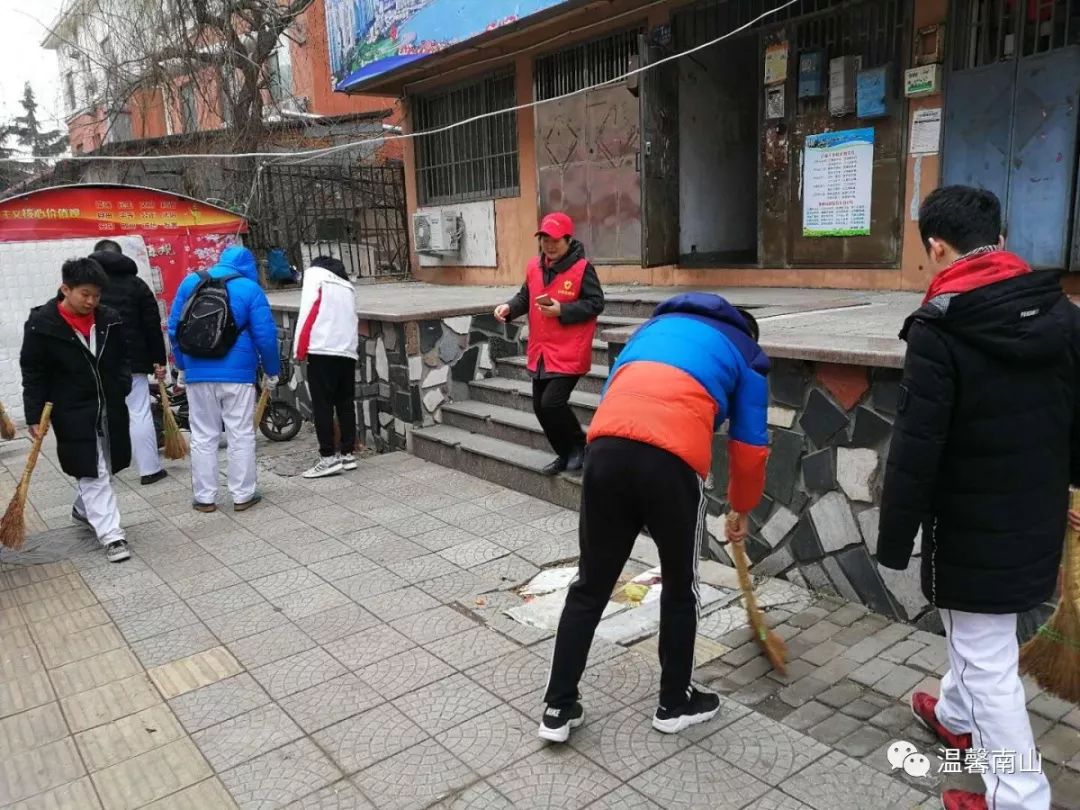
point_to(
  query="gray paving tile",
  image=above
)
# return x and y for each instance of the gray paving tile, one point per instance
(174, 645)
(770, 751)
(434, 625)
(297, 673)
(246, 622)
(837, 782)
(446, 703)
(405, 672)
(370, 583)
(513, 675)
(398, 604)
(227, 600)
(365, 739)
(462, 515)
(624, 743)
(140, 602)
(338, 568)
(508, 572)
(307, 550)
(458, 585)
(342, 795)
(313, 600)
(330, 625)
(331, 702)
(775, 800)
(493, 740)
(270, 645)
(443, 537)
(369, 647)
(217, 702)
(396, 549)
(286, 582)
(625, 798)
(281, 776)
(236, 553)
(554, 777)
(264, 565)
(206, 583)
(466, 650)
(480, 796)
(473, 554)
(164, 619)
(696, 778)
(245, 737)
(422, 568)
(415, 778)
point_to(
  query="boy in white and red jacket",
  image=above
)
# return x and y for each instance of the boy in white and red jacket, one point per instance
(326, 338)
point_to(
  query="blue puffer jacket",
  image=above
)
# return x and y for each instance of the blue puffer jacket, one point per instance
(258, 333)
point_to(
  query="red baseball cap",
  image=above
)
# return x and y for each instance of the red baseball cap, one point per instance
(557, 226)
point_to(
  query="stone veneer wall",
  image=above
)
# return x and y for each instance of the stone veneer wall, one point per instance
(408, 369)
(830, 427)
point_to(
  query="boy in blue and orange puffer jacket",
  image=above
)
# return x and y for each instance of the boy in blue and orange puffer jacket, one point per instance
(695, 365)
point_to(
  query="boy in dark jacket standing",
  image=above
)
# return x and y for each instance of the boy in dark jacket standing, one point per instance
(695, 365)
(134, 301)
(981, 461)
(74, 355)
(563, 298)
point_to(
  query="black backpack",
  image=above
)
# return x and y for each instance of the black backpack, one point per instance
(207, 327)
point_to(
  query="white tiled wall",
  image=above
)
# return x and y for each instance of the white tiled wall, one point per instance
(29, 276)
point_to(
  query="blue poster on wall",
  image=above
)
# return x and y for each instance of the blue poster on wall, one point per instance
(368, 38)
(872, 92)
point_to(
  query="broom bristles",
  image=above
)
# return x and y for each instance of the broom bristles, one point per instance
(7, 427)
(1052, 657)
(176, 446)
(13, 523)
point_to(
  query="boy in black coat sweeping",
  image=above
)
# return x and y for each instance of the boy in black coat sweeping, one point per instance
(983, 452)
(74, 354)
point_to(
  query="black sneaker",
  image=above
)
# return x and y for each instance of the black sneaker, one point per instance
(117, 551)
(556, 467)
(160, 475)
(556, 725)
(700, 707)
(576, 461)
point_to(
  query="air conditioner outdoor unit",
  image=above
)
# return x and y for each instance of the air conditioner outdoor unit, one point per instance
(437, 232)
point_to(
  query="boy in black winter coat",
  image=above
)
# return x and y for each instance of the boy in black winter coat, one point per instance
(982, 456)
(134, 301)
(74, 355)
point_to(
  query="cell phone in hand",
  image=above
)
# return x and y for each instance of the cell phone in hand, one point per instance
(544, 300)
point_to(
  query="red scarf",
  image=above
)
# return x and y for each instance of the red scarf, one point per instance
(981, 270)
(80, 323)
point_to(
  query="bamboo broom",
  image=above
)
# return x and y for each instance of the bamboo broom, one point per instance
(7, 427)
(1052, 657)
(176, 446)
(13, 524)
(260, 406)
(771, 644)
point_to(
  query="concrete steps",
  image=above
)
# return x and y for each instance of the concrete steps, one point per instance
(517, 395)
(502, 462)
(507, 424)
(515, 368)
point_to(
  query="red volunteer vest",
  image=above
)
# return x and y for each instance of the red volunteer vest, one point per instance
(566, 349)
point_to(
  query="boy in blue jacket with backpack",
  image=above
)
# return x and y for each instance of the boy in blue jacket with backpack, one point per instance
(221, 330)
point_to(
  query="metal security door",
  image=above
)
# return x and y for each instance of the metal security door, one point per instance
(1011, 119)
(659, 159)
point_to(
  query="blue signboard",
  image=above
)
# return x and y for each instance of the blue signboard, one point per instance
(368, 38)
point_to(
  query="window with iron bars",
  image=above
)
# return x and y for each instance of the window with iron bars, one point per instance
(989, 31)
(585, 65)
(475, 161)
(872, 29)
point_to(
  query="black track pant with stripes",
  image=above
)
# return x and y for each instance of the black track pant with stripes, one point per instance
(629, 486)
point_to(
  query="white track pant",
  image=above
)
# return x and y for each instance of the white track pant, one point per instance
(982, 695)
(210, 404)
(96, 501)
(144, 449)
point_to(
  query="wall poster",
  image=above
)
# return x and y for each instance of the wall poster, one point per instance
(838, 172)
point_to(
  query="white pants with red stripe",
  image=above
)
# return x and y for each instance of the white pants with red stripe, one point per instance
(144, 449)
(95, 500)
(210, 404)
(982, 695)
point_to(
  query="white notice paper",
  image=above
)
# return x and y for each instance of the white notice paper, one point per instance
(926, 131)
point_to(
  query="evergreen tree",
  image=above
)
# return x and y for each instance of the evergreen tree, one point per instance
(28, 132)
(11, 171)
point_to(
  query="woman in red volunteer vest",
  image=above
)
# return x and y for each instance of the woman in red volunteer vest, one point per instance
(562, 297)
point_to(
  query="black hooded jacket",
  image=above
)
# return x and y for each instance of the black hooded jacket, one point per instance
(130, 296)
(985, 445)
(87, 390)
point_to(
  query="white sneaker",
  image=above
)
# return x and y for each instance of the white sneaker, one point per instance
(325, 468)
(348, 462)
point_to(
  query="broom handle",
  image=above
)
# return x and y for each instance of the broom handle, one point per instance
(1071, 583)
(35, 450)
(742, 566)
(165, 405)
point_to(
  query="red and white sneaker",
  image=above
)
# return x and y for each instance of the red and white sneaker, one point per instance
(924, 707)
(963, 800)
